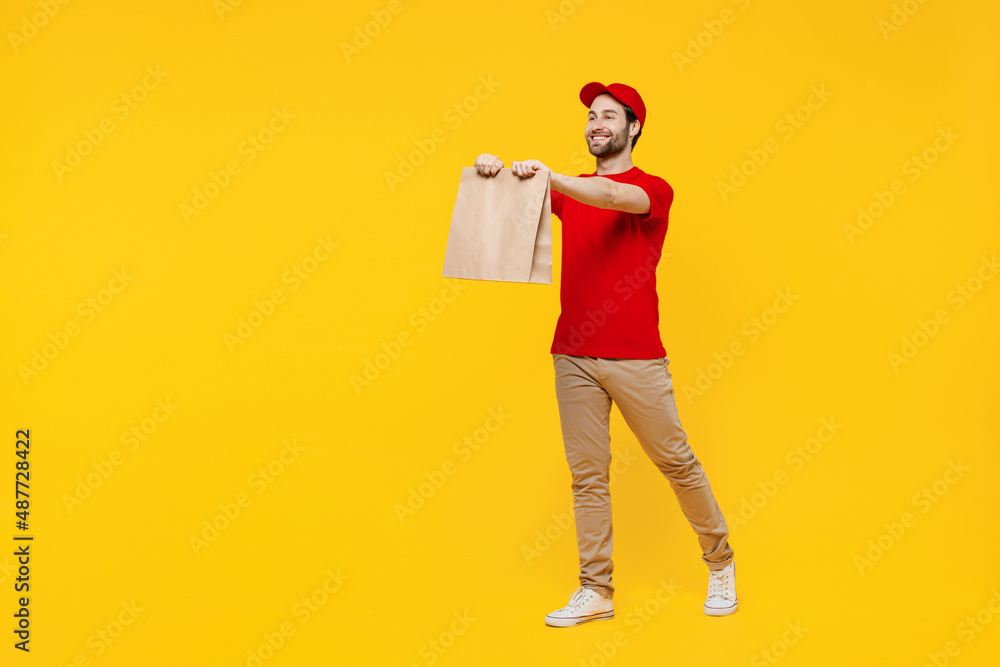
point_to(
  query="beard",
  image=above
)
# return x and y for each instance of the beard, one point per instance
(614, 144)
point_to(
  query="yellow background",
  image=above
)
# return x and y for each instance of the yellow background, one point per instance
(333, 507)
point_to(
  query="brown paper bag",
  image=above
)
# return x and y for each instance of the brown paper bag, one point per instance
(501, 228)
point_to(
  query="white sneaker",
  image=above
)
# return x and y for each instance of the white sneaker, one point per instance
(585, 604)
(721, 600)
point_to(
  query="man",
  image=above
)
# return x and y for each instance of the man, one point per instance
(607, 348)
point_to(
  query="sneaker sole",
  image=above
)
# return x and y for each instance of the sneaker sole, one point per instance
(720, 612)
(570, 622)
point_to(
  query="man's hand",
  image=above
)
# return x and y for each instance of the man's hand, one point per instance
(527, 168)
(488, 165)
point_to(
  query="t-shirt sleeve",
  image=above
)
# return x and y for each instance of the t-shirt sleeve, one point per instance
(661, 196)
(556, 202)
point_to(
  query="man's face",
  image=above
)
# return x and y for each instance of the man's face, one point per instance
(606, 133)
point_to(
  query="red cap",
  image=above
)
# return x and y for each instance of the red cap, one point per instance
(625, 94)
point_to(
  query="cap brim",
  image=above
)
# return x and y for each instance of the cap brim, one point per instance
(590, 92)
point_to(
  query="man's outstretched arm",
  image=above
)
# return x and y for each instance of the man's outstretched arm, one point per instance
(591, 190)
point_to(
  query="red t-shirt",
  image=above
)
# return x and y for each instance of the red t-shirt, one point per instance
(608, 288)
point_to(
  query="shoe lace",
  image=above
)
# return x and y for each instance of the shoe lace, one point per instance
(579, 597)
(718, 583)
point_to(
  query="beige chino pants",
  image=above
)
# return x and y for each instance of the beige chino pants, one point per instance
(643, 391)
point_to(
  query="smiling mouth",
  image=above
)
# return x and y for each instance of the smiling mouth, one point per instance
(596, 137)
